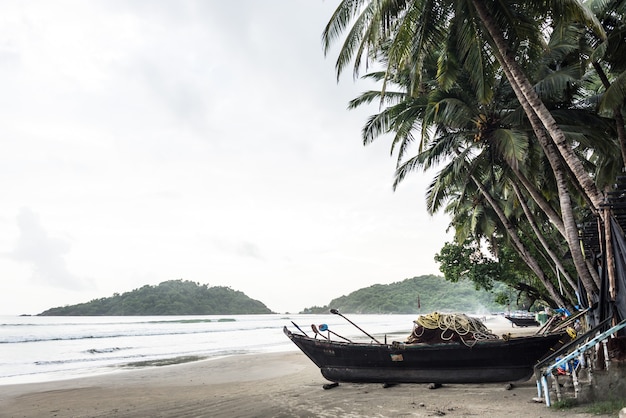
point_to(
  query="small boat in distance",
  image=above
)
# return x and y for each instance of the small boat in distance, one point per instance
(522, 319)
(430, 355)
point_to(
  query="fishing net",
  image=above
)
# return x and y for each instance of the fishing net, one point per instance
(443, 328)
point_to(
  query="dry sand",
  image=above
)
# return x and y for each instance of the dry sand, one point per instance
(266, 385)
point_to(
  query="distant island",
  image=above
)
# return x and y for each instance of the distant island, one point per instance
(424, 293)
(182, 297)
(173, 297)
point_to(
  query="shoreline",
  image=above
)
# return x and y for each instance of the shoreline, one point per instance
(32, 373)
(285, 384)
(133, 366)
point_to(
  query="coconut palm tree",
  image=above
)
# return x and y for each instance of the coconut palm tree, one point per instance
(475, 141)
(453, 109)
(609, 62)
(407, 31)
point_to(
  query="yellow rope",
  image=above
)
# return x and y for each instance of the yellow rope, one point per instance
(460, 324)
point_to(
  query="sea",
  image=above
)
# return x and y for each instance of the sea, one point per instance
(48, 348)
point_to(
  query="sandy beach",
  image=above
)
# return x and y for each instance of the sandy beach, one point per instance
(265, 385)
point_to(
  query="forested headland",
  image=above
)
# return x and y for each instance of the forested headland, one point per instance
(418, 294)
(173, 297)
(181, 297)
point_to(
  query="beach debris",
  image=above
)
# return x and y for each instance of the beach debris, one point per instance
(330, 385)
(509, 386)
(388, 385)
(434, 385)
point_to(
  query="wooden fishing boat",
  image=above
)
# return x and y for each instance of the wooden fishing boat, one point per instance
(451, 361)
(523, 320)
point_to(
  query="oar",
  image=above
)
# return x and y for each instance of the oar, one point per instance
(296, 325)
(336, 312)
(324, 327)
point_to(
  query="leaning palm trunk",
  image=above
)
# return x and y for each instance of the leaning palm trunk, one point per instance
(610, 260)
(544, 243)
(565, 203)
(621, 135)
(543, 204)
(570, 228)
(582, 267)
(526, 93)
(555, 219)
(520, 247)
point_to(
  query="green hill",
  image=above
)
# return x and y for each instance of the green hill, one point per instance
(434, 292)
(173, 297)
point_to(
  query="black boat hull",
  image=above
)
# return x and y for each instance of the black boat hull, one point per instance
(485, 362)
(523, 322)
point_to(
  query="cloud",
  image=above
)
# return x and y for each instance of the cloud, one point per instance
(198, 139)
(238, 249)
(44, 254)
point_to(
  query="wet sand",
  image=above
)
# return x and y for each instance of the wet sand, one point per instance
(267, 385)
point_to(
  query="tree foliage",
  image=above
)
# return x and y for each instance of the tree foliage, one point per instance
(519, 106)
(173, 297)
(508, 277)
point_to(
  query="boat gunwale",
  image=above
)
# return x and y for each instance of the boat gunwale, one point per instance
(404, 345)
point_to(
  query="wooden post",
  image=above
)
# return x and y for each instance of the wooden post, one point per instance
(610, 258)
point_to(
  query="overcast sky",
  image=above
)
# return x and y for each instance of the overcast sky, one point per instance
(145, 141)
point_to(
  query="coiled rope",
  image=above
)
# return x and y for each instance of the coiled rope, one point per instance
(470, 330)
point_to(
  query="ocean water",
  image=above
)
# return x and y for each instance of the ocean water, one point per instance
(36, 349)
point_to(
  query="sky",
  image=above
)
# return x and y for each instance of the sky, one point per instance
(210, 141)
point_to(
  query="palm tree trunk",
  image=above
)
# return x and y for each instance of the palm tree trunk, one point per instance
(526, 93)
(610, 258)
(520, 247)
(554, 218)
(621, 135)
(549, 148)
(569, 223)
(544, 243)
(565, 203)
(543, 204)
(567, 213)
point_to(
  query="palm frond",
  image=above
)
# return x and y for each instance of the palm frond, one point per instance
(512, 145)
(615, 95)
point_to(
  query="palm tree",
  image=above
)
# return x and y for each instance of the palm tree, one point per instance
(527, 95)
(475, 141)
(454, 109)
(540, 235)
(407, 31)
(609, 62)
